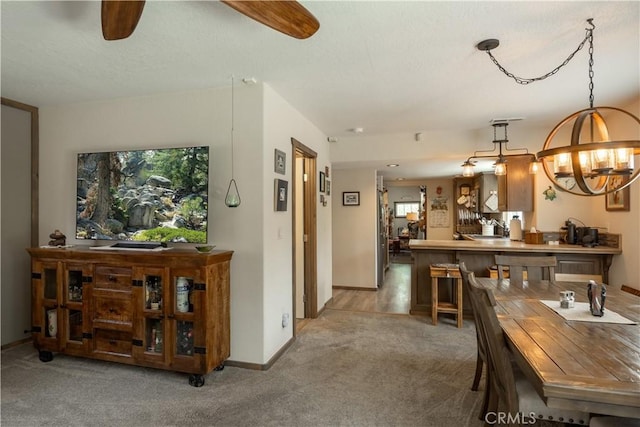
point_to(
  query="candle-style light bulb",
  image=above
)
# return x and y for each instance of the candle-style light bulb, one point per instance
(467, 169)
(501, 168)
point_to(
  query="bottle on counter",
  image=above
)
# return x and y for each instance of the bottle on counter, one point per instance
(515, 228)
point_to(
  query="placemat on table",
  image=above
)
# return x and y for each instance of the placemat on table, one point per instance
(582, 313)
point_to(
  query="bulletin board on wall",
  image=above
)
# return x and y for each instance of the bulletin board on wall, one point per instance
(439, 210)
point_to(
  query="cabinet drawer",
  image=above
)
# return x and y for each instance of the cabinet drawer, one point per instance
(112, 309)
(108, 341)
(113, 278)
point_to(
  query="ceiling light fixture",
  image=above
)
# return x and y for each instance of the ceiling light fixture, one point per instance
(393, 165)
(598, 163)
(497, 153)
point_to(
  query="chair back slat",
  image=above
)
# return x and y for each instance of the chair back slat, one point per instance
(467, 289)
(537, 267)
(570, 277)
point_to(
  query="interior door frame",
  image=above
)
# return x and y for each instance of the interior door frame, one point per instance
(309, 209)
(33, 239)
(35, 165)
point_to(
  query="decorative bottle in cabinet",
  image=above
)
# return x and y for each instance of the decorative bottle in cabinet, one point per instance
(182, 294)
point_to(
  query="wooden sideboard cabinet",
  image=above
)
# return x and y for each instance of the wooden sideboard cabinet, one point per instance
(167, 309)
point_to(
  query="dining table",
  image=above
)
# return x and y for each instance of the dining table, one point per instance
(592, 364)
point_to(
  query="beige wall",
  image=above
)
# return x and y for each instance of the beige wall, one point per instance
(282, 122)
(354, 229)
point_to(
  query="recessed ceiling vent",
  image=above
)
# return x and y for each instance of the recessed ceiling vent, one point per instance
(506, 120)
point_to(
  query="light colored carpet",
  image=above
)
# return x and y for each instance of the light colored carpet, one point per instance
(344, 369)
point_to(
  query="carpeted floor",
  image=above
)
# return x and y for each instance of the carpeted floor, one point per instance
(344, 369)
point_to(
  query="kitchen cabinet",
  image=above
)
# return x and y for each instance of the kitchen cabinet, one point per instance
(166, 310)
(515, 189)
(486, 186)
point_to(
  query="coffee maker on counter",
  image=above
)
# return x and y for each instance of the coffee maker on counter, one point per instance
(585, 236)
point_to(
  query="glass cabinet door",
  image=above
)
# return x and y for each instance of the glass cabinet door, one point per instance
(184, 338)
(72, 307)
(74, 285)
(153, 292)
(154, 336)
(184, 314)
(49, 304)
(152, 305)
(46, 320)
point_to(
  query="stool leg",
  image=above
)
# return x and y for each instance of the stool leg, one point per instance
(459, 302)
(434, 300)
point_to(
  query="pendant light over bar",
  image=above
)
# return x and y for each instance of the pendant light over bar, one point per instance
(232, 199)
(498, 153)
(600, 159)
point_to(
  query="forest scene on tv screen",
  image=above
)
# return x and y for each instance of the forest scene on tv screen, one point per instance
(158, 195)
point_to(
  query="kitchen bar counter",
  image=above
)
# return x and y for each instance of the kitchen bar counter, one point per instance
(478, 256)
(506, 245)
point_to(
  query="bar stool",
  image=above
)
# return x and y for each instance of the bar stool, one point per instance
(446, 271)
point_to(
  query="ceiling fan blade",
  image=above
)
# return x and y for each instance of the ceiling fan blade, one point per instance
(288, 17)
(120, 17)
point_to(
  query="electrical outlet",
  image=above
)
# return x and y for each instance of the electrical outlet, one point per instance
(285, 320)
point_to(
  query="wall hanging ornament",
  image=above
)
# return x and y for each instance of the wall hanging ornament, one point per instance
(549, 193)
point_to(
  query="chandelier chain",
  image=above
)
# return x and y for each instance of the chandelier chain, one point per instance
(591, 69)
(526, 81)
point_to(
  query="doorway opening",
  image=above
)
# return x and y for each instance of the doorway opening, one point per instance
(305, 292)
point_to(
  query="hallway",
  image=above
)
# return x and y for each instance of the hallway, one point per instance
(393, 297)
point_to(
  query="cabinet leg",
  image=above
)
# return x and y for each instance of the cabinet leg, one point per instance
(196, 380)
(220, 367)
(45, 356)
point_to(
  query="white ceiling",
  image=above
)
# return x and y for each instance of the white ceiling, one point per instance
(390, 67)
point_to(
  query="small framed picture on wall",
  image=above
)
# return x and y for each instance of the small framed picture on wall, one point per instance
(618, 200)
(280, 195)
(350, 198)
(322, 182)
(280, 162)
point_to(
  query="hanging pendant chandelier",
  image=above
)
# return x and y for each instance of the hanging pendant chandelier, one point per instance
(232, 199)
(500, 152)
(586, 160)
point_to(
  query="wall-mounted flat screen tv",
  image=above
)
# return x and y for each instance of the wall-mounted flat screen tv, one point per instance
(155, 195)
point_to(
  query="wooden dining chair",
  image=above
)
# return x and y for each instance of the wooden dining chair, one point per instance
(537, 267)
(509, 386)
(632, 291)
(481, 357)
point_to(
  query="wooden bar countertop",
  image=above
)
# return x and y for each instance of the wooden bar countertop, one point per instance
(507, 245)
